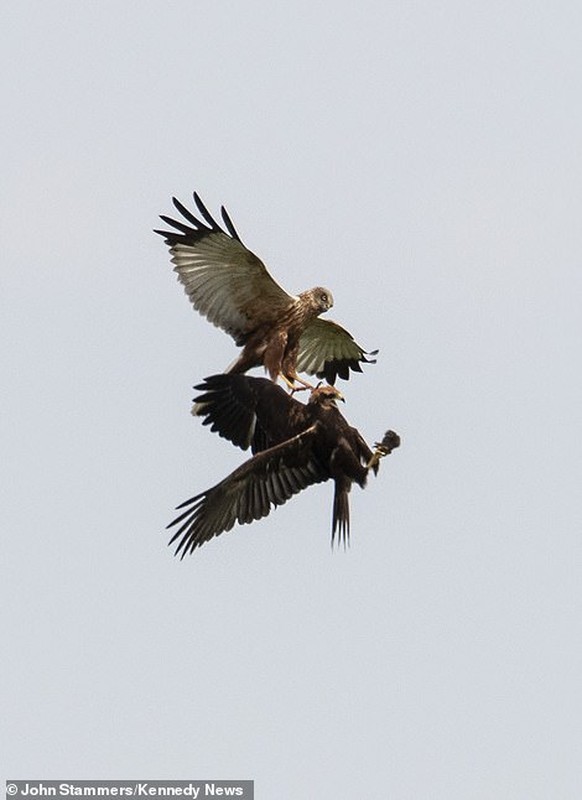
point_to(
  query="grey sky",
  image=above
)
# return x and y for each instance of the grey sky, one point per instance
(423, 161)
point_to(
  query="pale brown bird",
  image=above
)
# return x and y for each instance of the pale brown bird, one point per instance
(231, 287)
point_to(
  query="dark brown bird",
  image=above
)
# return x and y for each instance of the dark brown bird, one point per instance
(232, 288)
(295, 445)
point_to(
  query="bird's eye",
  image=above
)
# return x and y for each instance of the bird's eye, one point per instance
(324, 298)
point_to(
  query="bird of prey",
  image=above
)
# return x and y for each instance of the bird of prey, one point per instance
(231, 287)
(295, 445)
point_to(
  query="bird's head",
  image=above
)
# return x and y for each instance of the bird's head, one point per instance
(319, 299)
(325, 395)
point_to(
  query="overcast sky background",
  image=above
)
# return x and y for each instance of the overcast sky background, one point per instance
(422, 160)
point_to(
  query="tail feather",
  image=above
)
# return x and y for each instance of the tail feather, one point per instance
(341, 514)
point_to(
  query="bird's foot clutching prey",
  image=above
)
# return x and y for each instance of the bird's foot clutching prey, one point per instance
(292, 384)
(389, 443)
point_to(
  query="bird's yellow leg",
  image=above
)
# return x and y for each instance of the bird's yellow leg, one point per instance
(304, 384)
(375, 460)
(292, 384)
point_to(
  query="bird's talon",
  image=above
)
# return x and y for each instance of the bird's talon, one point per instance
(296, 385)
(298, 389)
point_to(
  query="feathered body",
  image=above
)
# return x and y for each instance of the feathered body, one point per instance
(295, 445)
(275, 343)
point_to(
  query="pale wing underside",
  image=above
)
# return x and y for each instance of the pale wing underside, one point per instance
(328, 350)
(228, 284)
(225, 281)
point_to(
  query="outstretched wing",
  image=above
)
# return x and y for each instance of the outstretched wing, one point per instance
(328, 350)
(225, 281)
(250, 412)
(263, 482)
